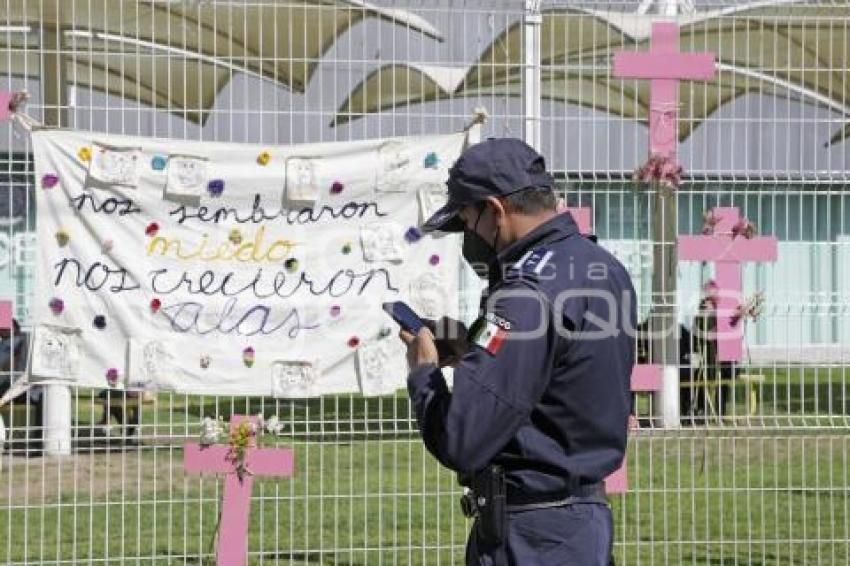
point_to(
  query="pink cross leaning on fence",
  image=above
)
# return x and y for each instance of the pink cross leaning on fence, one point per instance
(664, 65)
(232, 547)
(581, 216)
(645, 378)
(728, 252)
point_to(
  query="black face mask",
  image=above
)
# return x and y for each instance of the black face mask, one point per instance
(477, 251)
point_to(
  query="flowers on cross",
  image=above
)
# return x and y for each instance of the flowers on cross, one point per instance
(744, 228)
(751, 308)
(662, 170)
(710, 220)
(273, 425)
(241, 437)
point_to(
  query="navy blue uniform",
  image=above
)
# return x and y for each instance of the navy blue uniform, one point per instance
(544, 393)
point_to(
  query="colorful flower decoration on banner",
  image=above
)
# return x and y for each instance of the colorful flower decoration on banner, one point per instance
(158, 163)
(215, 187)
(413, 234)
(156, 304)
(107, 245)
(751, 308)
(248, 356)
(431, 161)
(353, 342)
(99, 322)
(744, 228)
(112, 376)
(56, 305)
(62, 237)
(235, 236)
(205, 361)
(49, 180)
(337, 187)
(152, 229)
(291, 264)
(434, 259)
(710, 220)
(346, 248)
(84, 153)
(264, 157)
(662, 170)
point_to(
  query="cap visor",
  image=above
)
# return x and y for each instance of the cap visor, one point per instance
(445, 219)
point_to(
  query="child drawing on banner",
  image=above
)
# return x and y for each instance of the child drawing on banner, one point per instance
(56, 354)
(302, 185)
(155, 358)
(382, 242)
(393, 167)
(427, 293)
(377, 363)
(114, 166)
(293, 378)
(186, 178)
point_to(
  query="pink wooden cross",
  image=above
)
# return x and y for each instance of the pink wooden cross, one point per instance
(645, 377)
(664, 65)
(5, 99)
(6, 308)
(232, 548)
(728, 253)
(580, 214)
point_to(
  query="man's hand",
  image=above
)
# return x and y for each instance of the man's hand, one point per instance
(421, 349)
(450, 339)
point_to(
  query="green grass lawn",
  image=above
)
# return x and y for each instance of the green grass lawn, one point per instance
(366, 492)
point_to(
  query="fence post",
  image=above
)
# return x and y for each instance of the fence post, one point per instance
(56, 416)
(532, 21)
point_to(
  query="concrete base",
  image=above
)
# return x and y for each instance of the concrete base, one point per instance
(57, 420)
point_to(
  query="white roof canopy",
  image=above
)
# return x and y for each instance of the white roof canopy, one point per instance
(178, 55)
(767, 47)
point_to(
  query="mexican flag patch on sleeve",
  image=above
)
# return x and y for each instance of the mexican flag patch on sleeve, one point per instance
(491, 333)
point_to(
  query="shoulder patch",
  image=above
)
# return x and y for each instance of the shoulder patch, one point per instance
(491, 333)
(534, 261)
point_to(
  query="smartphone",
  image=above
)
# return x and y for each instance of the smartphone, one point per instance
(404, 316)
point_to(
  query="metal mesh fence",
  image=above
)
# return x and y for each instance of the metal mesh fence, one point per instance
(756, 474)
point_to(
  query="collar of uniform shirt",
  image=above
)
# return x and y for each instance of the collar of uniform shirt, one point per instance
(556, 228)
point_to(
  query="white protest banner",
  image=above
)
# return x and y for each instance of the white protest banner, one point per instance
(235, 269)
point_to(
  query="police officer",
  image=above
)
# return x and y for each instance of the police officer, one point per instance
(538, 412)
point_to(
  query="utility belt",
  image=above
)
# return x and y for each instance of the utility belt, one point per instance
(488, 501)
